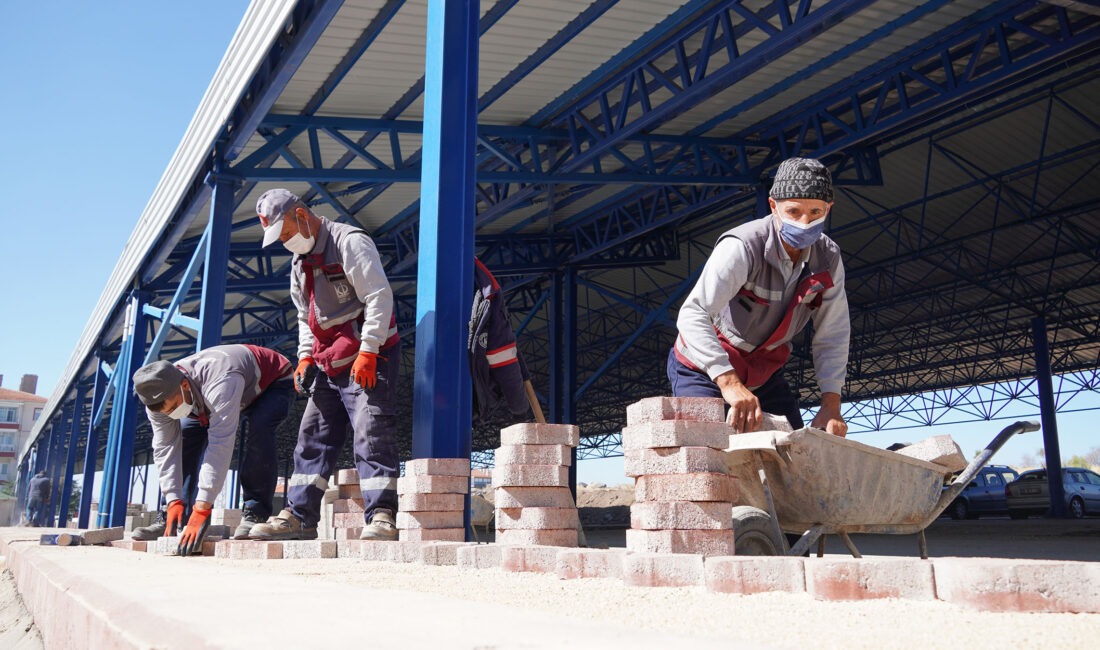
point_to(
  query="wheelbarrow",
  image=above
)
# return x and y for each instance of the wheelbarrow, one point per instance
(815, 484)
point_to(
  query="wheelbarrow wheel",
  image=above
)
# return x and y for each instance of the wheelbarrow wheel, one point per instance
(753, 533)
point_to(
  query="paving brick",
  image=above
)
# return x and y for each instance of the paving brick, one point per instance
(348, 505)
(347, 533)
(479, 556)
(411, 520)
(573, 563)
(433, 485)
(530, 476)
(1001, 585)
(701, 542)
(534, 455)
(225, 517)
(438, 467)
(941, 450)
(415, 502)
(131, 545)
(441, 553)
(347, 477)
(674, 460)
(312, 549)
(697, 409)
(348, 520)
(754, 575)
(870, 578)
(165, 545)
(674, 434)
(546, 537)
(103, 535)
(533, 497)
(350, 492)
(531, 433)
(530, 559)
(702, 486)
(432, 534)
(662, 570)
(536, 518)
(681, 515)
(379, 551)
(248, 549)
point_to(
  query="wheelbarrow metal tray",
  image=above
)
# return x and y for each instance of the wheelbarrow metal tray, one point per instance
(820, 479)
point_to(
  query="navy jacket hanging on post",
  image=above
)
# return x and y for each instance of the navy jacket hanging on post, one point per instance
(497, 369)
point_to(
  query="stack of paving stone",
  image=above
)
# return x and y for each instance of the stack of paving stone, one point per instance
(674, 449)
(431, 500)
(531, 485)
(347, 507)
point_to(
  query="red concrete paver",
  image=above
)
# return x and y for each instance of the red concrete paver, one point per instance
(697, 409)
(868, 578)
(1003, 585)
(662, 570)
(754, 575)
(531, 433)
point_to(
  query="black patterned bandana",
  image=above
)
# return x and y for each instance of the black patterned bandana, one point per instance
(802, 178)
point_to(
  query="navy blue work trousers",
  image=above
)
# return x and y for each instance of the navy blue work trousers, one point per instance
(336, 406)
(775, 395)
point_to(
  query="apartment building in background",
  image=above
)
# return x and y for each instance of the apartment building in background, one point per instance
(19, 409)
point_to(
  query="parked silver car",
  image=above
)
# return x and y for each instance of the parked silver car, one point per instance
(1029, 494)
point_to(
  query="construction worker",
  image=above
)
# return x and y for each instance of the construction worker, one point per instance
(38, 499)
(764, 281)
(348, 354)
(204, 397)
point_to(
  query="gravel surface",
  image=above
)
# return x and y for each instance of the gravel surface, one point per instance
(762, 620)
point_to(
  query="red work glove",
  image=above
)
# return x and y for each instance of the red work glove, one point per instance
(174, 518)
(303, 375)
(191, 539)
(365, 370)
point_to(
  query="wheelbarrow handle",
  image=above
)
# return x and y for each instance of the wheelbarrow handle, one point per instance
(968, 474)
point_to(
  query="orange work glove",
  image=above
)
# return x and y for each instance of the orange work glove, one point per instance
(174, 518)
(304, 374)
(365, 370)
(191, 539)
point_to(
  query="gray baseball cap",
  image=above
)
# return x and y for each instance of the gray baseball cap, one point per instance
(157, 382)
(270, 208)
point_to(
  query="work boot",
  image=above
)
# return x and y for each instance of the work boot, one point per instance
(381, 527)
(282, 526)
(248, 520)
(152, 531)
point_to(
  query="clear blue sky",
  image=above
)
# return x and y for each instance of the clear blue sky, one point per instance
(99, 95)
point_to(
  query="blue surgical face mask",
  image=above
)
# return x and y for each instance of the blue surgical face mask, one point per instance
(800, 235)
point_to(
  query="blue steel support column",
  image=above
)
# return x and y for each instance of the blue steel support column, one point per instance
(1048, 417)
(128, 421)
(70, 458)
(442, 393)
(557, 350)
(569, 365)
(214, 269)
(54, 465)
(91, 450)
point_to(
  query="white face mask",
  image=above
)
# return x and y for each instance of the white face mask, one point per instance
(183, 410)
(300, 245)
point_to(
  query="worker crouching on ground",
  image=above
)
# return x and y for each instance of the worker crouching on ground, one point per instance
(763, 282)
(348, 354)
(203, 397)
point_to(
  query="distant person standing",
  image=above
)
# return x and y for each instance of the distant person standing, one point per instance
(38, 499)
(348, 352)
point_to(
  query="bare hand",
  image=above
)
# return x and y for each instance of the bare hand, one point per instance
(828, 417)
(745, 414)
